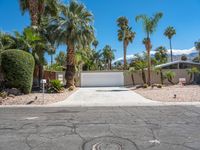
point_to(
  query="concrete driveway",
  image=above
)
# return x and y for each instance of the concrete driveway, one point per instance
(105, 96)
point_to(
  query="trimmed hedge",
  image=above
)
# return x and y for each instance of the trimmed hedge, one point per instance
(18, 67)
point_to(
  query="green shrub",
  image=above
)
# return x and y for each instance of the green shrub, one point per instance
(55, 86)
(18, 67)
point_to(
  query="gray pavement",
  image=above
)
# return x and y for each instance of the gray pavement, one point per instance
(105, 96)
(100, 128)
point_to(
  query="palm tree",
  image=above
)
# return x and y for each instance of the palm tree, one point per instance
(160, 58)
(95, 43)
(184, 57)
(74, 28)
(150, 24)
(60, 58)
(38, 9)
(125, 34)
(169, 75)
(108, 55)
(197, 46)
(30, 6)
(161, 55)
(169, 33)
(7, 41)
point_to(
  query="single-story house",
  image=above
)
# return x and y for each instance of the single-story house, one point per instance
(179, 65)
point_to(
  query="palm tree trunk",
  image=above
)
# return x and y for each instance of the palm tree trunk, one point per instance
(161, 76)
(133, 80)
(144, 77)
(70, 70)
(51, 59)
(110, 64)
(40, 74)
(33, 12)
(125, 49)
(170, 42)
(149, 61)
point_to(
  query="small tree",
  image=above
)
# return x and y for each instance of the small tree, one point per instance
(160, 72)
(169, 75)
(184, 58)
(140, 63)
(191, 72)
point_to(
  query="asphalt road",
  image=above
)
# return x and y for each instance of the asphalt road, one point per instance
(106, 128)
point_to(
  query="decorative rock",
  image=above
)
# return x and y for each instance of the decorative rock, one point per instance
(11, 95)
(13, 91)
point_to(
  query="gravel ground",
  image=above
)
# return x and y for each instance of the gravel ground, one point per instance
(189, 93)
(36, 98)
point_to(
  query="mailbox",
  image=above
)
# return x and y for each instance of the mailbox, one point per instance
(43, 81)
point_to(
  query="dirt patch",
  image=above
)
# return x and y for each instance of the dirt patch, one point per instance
(176, 93)
(36, 98)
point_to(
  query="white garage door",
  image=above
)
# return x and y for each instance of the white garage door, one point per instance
(98, 79)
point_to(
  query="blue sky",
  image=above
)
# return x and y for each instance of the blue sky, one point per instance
(184, 15)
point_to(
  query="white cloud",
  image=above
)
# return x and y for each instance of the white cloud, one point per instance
(175, 52)
(181, 51)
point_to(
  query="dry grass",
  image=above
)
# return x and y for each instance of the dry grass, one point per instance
(188, 93)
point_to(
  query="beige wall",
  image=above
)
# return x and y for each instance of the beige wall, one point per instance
(180, 73)
(155, 78)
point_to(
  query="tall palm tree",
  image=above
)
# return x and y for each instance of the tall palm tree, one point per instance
(30, 6)
(39, 8)
(73, 27)
(150, 24)
(125, 34)
(169, 33)
(197, 46)
(40, 11)
(108, 55)
(160, 58)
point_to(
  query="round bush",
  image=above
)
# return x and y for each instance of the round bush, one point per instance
(18, 67)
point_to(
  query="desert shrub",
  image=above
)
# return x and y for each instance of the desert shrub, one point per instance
(55, 86)
(145, 86)
(17, 67)
(71, 88)
(159, 85)
(3, 94)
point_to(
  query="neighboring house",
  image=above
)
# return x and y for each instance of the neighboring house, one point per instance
(179, 65)
(182, 65)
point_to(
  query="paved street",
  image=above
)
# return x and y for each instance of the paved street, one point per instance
(108, 128)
